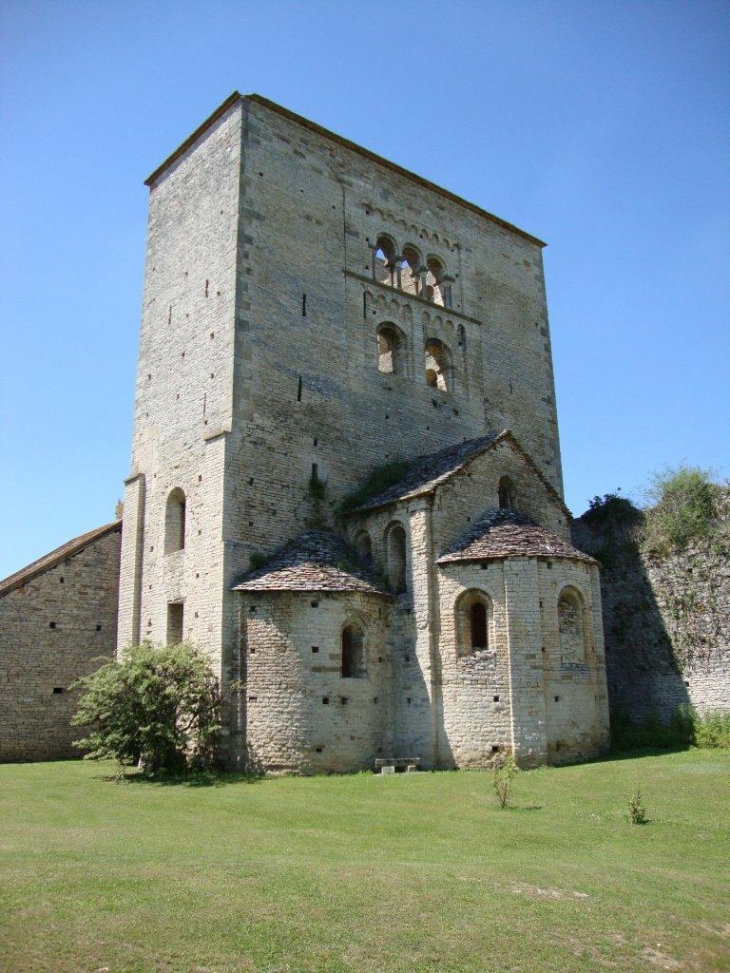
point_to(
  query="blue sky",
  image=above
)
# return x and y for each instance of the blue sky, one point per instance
(600, 127)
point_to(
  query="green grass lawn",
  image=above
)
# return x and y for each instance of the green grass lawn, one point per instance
(410, 873)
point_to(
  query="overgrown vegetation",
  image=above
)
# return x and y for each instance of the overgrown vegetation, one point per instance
(682, 509)
(686, 729)
(380, 479)
(257, 561)
(407, 873)
(157, 708)
(612, 511)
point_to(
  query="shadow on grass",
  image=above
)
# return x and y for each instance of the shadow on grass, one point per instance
(638, 752)
(210, 778)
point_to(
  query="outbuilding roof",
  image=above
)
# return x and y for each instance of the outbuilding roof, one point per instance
(48, 561)
(505, 533)
(426, 473)
(315, 561)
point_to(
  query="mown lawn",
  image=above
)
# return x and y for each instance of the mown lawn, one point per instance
(408, 873)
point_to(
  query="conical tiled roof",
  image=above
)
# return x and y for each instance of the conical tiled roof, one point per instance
(504, 533)
(315, 561)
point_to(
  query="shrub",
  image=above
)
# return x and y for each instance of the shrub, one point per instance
(158, 708)
(637, 811)
(504, 773)
(712, 731)
(683, 509)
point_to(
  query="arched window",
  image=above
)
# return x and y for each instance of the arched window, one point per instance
(438, 365)
(395, 546)
(411, 270)
(438, 286)
(391, 349)
(507, 494)
(473, 622)
(175, 521)
(385, 260)
(571, 626)
(353, 655)
(364, 546)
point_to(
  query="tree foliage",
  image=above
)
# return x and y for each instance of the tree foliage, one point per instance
(682, 509)
(158, 708)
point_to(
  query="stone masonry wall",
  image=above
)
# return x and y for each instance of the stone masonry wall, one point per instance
(302, 714)
(54, 629)
(666, 622)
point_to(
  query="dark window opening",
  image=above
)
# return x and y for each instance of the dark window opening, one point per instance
(507, 494)
(175, 615)
(478, 625)
(175, 521)
(352, 652)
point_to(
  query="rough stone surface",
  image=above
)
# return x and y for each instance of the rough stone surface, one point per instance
(58, 622)
(287, 350)
(666, 621)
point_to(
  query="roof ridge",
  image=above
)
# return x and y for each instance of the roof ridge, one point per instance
(54, 557)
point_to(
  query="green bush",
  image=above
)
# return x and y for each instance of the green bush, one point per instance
(637, 811)
(158, 708)
(712, 731)
(504, 773)
(683, 509)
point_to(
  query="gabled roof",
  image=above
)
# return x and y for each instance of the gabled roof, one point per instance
(426, 473)
(315, 561)
(49, 561)
(504, 533)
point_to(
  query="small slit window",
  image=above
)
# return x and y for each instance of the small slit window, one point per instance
(395, 546)
(353, 656)
(175, 521)
(507, 494)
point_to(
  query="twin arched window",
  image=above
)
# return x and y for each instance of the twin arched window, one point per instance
(473, 622)
(392, 359)
(175, 521)
(409, 272)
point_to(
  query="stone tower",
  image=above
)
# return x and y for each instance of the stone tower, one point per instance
(312, 312)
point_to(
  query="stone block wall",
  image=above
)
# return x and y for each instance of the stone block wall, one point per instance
(57, 626)
(666, 621)
(301, 713)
